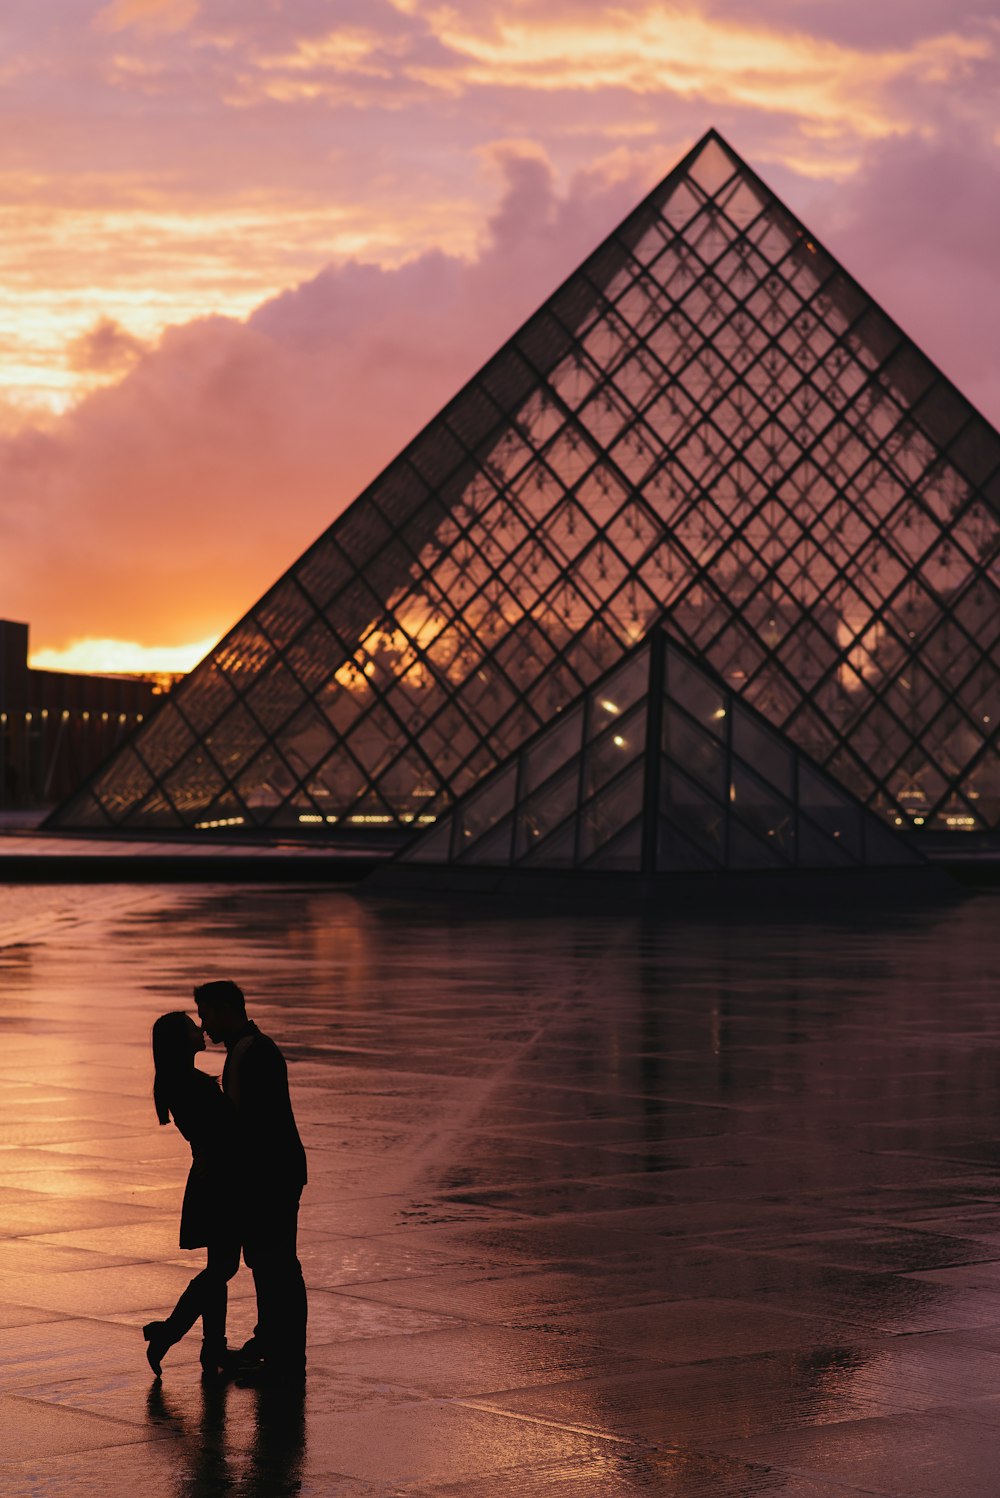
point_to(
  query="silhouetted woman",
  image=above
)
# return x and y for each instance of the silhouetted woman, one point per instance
(204, 1116)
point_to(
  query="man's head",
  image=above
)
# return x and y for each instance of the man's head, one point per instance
(221, 1008)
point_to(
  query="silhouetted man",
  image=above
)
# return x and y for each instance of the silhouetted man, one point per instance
(272, 1175)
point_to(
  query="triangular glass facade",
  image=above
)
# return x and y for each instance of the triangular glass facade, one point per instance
(658, 768)
(710, 421)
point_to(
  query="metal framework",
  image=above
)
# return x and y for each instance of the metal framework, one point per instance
(709, 421)
(660, 767)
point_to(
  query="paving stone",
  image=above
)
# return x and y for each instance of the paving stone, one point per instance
(466, 1361)
(926, 1455)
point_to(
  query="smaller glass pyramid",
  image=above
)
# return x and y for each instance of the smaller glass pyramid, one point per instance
(660, 767)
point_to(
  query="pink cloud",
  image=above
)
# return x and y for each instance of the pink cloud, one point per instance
(918, 224)
(105, 349)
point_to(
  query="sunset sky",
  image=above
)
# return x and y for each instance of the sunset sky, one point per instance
(250, 246)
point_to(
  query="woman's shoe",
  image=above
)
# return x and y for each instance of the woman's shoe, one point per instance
(214, 1358)
(159, 1341)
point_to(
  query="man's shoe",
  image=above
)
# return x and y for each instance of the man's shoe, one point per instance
(214, 1358)
(240, 1360)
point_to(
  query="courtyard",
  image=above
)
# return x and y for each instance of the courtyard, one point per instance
(598, 1205)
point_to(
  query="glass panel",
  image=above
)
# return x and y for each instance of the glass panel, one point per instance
(399, 492)
(193, 786)
(346, 695)
(769, 815)
(623, 852)
(977, 451)
(711, 167)
(701, 819)
(162, 742)
(697, 753)
(283, 611)
(336, 785)
(244, 653)
(493, 849)
(604, 817)
(361, 533)
(375, 741)
(816, 851)
(315, 655)
(87, 812)
(127, 786)
(307, 739)
(433, 847)
(697, 694)
(485, 808)
(552, 750)
(485, 697)
(299, 814)
(407, 785)
(542, 812)
(511, 732)
(773, 760)
(323, 571)
(156, 811)
(675, 853)
(203, 696)
(274, 697)
(838, 816)
(557, 852)
(748, 852)
(370, 810)
(618, 692)
(264, 784)
(449, 741)
(234, 741)
(617, 747)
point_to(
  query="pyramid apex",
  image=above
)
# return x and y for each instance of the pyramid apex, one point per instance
(711, 160)
(711, 134)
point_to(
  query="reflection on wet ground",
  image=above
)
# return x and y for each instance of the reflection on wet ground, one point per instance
(598, 1207)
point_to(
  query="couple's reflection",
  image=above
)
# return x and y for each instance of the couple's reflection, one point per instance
(214, 1459)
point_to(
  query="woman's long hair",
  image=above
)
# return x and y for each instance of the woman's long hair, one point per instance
(173, 1057)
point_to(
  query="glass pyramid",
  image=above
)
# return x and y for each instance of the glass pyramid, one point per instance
(660, 767)
(709, 420)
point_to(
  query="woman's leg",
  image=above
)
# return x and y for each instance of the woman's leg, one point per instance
(161, 1335)
(206, 1294)
(223, 1262)
(188, 1308)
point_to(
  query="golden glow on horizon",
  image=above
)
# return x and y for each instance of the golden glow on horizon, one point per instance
(121, 656)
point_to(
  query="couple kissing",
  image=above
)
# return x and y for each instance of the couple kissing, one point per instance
(247, 1172)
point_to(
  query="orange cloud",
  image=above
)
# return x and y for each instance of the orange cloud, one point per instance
(147, 15)
(687, 52)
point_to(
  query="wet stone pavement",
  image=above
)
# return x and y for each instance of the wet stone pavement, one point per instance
(598, 1206)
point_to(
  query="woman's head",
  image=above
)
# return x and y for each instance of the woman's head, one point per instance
(176, 1040)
